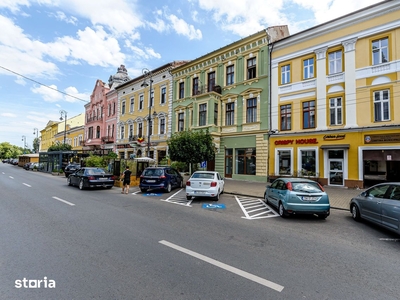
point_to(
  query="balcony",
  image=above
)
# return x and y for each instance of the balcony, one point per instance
(203, 89)
(107, 139)
(94, 119)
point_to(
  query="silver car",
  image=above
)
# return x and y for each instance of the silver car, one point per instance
(379, 204)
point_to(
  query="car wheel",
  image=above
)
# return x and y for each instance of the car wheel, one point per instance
(81, 187)
(282, 211)
(188, 197)
(355, 212)
(168, 189)
(322, 216)
(143, 190)
(69, 181)
(266, 198)
(216, 198)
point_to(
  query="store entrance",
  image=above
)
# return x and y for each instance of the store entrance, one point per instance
(336, 164)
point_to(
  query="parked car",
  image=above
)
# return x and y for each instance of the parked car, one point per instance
(297, 196)
(26, 166)
(165, 178)
(71, 168)
(33, 165)
(380, 204)
(205, 184)
(90, 177)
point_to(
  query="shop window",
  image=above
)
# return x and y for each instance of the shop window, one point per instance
(246, 161)
(308, 159)
(284, 161)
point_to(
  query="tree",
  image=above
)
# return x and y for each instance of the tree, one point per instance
(191, 146)
(9, 151)
(36, 145)
(59, 147)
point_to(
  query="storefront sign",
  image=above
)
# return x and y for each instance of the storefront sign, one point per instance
(334, 137)
(382, 138)
(297, 141)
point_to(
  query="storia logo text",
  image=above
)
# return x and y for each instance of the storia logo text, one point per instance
(35, 284)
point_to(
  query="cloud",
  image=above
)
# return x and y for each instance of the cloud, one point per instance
(8, 115)
(48, 94)
(181, 27)
(59, 15)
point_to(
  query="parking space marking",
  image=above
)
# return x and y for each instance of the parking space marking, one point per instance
(239, 272)
(254, 208)
(178, 198)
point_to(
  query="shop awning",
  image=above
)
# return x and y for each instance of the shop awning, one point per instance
(336, 146)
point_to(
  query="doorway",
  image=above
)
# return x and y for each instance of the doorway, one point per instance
(336, 167)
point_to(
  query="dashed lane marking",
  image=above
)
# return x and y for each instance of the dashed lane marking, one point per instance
(254, 208)
(179, 198)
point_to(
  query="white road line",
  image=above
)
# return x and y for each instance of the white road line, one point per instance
(180, 200)
(251, 205)
(262, 281)
(66, 202)
(11, 177)
(27, 184)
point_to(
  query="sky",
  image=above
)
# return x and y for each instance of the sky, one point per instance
(53, 51)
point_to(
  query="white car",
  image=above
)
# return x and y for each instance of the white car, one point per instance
(205, 184)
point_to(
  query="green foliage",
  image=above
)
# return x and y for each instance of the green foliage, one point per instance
(191, 146)
(59, 147)
(112, 155)
(96, 161)
(180, 166)
(10, 151)
(164, 161)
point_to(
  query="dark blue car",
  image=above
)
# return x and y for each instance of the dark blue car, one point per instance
(164, 178)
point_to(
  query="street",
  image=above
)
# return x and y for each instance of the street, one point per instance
(101, 244)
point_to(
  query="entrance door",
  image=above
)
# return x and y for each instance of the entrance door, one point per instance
(335, 171)
(228, 163)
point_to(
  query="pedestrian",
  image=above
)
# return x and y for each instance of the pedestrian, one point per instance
(126, 177)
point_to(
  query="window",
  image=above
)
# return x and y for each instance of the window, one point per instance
(97, 132)
(381, 106)
(335, 110)
(130, 132)
(112, 131)
(140, 129)
(285, 74)
(163, 99)
(141, 99)
(215, 113)
(380, 51)
(308, 68)
(286, 117)
(181, 122)
(109, 109)
(230, 75)
(309, 114)
(113, 108)
(132, 106)
(251, 115)
(122, 132)
(211, 81)
(181, 90)
(90, 133)
(308, 158)
(335, 62)
(246, 161)
(202, 114)
(108, 130)
(162, 125)
(251, 68)
(195, 90)
(123, 107)
(151, 99)
(284, 162)
(230, 114)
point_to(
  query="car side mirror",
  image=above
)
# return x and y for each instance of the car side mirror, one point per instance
(364, 194)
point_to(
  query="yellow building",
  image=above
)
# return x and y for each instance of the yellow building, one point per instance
(48, 135)
(143, 115)
(334, 97)
(74, 134)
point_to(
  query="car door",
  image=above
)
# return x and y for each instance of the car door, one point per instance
(390, 207)
(273, 192)
(76, 176)
(221, 182)
(172, 177)
(371, 204)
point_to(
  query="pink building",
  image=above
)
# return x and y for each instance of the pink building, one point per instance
(101, 113)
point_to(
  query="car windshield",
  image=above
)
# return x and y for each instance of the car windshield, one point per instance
(307, 187)
(94, 171)
(203, 175)
(153, 172)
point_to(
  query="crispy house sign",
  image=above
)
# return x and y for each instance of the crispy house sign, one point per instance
(297, 141)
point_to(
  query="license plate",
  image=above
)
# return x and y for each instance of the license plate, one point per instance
(199, 192)
(310, 198)
(103, 178)
(151, 181)
(205, 183)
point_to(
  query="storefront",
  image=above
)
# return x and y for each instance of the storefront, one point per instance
(346, 159)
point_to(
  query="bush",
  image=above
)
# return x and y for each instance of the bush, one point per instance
(180, 166)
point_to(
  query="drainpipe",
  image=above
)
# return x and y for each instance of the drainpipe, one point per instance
(270, 48)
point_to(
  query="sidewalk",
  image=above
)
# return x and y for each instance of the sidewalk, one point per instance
(339, 197)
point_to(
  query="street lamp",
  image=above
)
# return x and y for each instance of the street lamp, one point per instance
(147, 74)
(36, 131)
(24, 140)
(64, 113)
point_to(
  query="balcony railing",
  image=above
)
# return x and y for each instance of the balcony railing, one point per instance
(94, 119)
(203, 89)
(107, 139)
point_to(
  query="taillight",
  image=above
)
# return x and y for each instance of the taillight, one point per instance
(188, 183)
(162, 177)
(213, 184)
(91, 178)
(112, 177)
(141, 176)
(289, 186)
(321, 187)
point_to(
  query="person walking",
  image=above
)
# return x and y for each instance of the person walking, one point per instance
(126, 177)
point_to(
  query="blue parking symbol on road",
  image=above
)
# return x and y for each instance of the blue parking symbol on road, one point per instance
(152, 194)
(213, 206)
(203, 164)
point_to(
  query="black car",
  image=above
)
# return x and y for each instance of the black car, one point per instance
(165, 178)
(90, 177)
(71, 168)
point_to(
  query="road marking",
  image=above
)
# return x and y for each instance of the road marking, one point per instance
(249, 276)
(69, 203)
(11, 177)
(26, 184)
(181, 200)
(254, 208)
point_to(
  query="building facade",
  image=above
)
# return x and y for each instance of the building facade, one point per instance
(144, 114)
(227, 92)
(334, 97)
(48, 135)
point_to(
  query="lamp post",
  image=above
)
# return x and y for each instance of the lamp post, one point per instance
(64, 115)
(24, 140)
(147, 74)
(36, 131)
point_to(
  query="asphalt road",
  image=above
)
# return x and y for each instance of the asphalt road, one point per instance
(100, 244)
